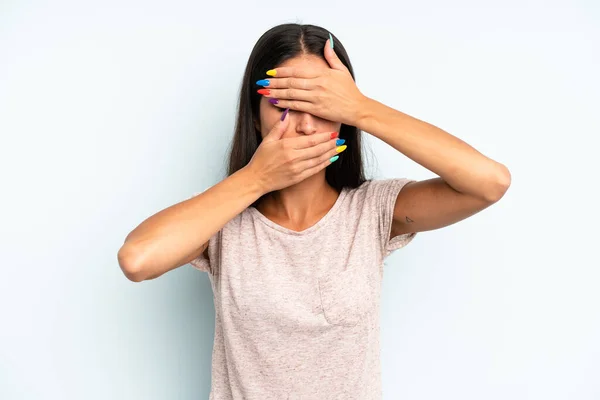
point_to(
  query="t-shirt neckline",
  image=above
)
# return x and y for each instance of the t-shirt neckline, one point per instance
(308, 230)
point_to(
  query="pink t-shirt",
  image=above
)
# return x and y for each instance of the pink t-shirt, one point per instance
(297, 313)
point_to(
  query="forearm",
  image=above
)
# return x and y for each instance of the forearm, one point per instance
(166, 239)
(457, 163)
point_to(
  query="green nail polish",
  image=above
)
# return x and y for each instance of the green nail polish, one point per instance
(334, 158)
(330, 41)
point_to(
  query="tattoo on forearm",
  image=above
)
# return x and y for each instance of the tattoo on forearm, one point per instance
(408, 220)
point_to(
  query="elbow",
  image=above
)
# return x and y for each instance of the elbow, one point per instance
(498, 184)
(130, 264)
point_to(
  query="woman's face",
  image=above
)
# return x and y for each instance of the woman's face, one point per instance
(300, 123)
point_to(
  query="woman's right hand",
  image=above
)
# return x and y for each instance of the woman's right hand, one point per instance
(279, 163)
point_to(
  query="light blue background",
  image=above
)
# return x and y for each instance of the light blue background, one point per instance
(111, 111)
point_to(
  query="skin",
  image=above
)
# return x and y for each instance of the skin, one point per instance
(319, 93)
(467, 181)
(301, 205)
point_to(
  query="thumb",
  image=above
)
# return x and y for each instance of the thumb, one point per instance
(331, 57)
(279, 128)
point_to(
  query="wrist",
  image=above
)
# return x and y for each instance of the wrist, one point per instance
(364, 113)
(253, 180)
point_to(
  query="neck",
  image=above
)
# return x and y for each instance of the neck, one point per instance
(300, 204)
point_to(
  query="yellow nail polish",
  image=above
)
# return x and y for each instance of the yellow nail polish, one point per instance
(271, 72)
(339, 149)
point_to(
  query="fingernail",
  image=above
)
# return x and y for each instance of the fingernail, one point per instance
(273, 101)
(263, 82)
(341, 148)
(264, 91)
(333, 135)
(334, 158)
(331, 40)
(271, 72)
(285, 113)
(339, 142)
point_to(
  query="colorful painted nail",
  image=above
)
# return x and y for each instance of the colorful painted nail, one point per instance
(264, 91)
(331, 41)
(334, 158)
(334, 135)
(285, 113)
(273, 101)
(341, 148)
(339, 142)
(271, 72)
(263, 82)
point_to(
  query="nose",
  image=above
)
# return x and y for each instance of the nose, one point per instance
(306, 123)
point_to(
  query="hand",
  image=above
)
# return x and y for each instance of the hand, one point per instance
(279, 163)
(328, 93)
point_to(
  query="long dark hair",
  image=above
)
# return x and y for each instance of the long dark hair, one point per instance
(275, 46)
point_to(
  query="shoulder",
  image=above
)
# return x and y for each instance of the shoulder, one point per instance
(378, 189)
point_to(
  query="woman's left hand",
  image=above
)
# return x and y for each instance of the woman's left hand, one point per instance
(328, 93)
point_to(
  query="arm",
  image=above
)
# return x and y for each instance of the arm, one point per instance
(178, 234)
(468, 181)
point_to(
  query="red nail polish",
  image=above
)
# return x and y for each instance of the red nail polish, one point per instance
(334, 135)
(264, 91)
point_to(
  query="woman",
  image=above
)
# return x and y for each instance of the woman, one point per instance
(294, 238)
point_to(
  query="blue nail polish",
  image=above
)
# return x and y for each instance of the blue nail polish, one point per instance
(339, 142)
(263, 82)
(330, 41)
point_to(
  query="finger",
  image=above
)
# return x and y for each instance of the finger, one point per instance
(320, 157)
(313, 170)
(308, 141)
(298, 105)
(278, 129)
(293, 72)
(291, 82)
(319, 151)
(332, 59)
(288, 94)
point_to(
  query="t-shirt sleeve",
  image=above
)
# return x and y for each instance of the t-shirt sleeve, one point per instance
(384, 194)
(201, 262)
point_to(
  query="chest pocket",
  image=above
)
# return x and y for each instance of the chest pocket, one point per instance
(348, 297)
